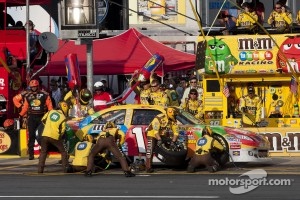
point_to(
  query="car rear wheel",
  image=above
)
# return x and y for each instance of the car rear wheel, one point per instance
(222, 158)
(172, 157)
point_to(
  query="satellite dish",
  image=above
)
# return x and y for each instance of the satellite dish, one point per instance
(49, 41)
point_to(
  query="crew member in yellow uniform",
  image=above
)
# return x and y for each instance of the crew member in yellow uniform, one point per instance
(193, 105)
(161, 125)
(144, 91)
(204, 147)
(111, 138)
(250, 106)
(55, 126)
(171, 94)
(158, 97)
(85, 96)
(82, 151)
(280, 18)
(248, 18)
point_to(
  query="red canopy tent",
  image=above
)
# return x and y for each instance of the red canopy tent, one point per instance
(121, 54)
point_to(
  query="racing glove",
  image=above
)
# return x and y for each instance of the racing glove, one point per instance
(159, 143)
(172, 145)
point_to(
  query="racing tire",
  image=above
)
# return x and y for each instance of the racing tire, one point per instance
(171, 157)
(221, 158)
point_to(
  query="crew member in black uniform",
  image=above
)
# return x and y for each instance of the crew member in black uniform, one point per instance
(37, 103)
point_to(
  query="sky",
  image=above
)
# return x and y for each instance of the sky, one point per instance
(42, 20)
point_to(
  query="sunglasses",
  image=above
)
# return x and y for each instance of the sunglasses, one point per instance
(193, 93)
(277, 7)
(193, 81)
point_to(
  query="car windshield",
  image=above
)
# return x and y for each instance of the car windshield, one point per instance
(187, 118)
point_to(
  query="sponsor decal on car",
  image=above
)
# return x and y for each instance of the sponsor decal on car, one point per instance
(234, 145)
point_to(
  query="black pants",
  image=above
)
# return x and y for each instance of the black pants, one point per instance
(33, 121)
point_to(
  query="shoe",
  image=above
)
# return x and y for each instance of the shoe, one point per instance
(69, 169)
(150, 170)
(213, 168)
(88, 173)
(190, 169)
(129, 174)
(31, 157)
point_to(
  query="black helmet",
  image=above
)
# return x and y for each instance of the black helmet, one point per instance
(85, 96)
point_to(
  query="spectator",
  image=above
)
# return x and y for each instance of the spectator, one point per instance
(106, 88)
(230, 25)
(247, 18)
(193, 105)
(259, 8)
(101, 98)
(19, 24)
(193, 84)
(298, 17)
(280, 18)
(33, 41)
(234, 11)
(3, 15)
(181, 87)
(55, 92)
(36, 104)
(287, 8)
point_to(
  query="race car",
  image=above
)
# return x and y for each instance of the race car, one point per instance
(133, 120)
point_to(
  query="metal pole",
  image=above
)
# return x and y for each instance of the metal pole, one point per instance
(27, 43)
(89, 64)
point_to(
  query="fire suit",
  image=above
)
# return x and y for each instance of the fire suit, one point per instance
(36, 104)
(251, 109)
(55, 126)
(204, 147)
(110, 140)
(161, 125)
(194, 107)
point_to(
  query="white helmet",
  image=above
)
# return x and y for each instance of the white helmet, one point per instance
(98, 84)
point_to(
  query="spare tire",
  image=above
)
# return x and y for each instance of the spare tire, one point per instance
(171, 157)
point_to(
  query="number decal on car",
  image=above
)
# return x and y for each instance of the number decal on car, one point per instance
(138, 132)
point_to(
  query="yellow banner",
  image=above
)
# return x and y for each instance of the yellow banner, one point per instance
(284, 141)
(252, 54)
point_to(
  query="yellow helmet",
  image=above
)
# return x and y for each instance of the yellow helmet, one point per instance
(171, 113)
(109, 125)
(207, 131)
(64, 107)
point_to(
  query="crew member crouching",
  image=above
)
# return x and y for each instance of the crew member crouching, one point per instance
(111, 138)
(205, 146)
